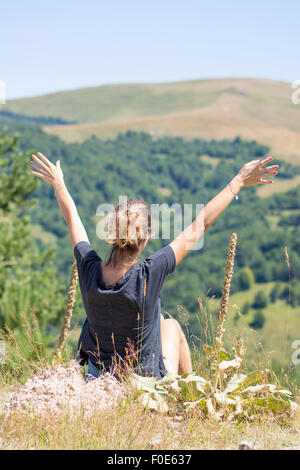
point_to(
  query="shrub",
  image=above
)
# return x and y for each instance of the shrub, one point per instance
(245, 308)
(295, 293)
(275, 292)
(258, 320)
(260, 300)
(246, 278)
(285, 292)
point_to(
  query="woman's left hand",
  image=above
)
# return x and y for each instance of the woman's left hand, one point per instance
(48, 172)
(254, 173)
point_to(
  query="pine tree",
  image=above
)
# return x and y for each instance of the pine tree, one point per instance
(29, 287)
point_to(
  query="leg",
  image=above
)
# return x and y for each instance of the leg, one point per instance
(170, 345)
(177, 357)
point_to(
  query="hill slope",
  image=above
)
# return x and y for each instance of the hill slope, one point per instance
(218, 108)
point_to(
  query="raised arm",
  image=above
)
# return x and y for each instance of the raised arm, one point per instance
(53, 175)
(251, 174)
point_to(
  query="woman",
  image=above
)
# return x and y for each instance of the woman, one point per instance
(120, 295)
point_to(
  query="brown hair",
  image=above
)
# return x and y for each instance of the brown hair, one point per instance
(128, 225)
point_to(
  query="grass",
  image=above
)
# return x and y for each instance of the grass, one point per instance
(131, 427)
(211, 160)
(272, 344)
(280, 186)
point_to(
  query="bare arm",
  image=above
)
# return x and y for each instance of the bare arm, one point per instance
(53, 175)
(251, 174)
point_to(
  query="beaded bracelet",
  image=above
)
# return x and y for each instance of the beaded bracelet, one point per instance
(235, 194)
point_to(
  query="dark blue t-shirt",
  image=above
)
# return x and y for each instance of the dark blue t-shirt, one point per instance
(125, 312)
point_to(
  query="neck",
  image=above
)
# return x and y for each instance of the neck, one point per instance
(123, 260)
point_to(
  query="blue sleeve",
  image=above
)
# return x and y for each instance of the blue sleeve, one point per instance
(163, 261)
(85, 257)
(159, 265)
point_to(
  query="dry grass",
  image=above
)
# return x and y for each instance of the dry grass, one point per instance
(132, 427)
(280, 186)
(69, 310)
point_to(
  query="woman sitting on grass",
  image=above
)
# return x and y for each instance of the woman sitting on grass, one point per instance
(121, 296)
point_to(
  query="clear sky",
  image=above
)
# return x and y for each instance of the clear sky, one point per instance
(48, 46)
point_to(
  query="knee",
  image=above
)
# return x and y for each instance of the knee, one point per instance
(176, 324)
(173, 325)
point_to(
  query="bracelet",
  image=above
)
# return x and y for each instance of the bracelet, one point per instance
(235, 194)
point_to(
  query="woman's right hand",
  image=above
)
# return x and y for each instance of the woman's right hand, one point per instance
(253, 173)
(47, 171)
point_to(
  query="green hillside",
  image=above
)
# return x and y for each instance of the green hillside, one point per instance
(218, 108)
(115, 102)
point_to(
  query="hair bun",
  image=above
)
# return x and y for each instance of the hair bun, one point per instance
(129, 224)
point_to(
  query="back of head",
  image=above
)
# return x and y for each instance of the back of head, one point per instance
(129, 225)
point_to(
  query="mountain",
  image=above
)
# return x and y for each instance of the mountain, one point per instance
(255, 109)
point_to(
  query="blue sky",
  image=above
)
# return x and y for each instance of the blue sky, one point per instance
(56, 45)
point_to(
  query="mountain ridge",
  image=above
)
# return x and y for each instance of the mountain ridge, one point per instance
(254, 109)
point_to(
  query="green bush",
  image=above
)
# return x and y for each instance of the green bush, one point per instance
(245, 308)
(258, 320)
(275, 293)
(260, 300)
(246, 278)
(295, 293)
(285, 293)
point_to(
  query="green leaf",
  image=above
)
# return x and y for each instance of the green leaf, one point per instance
(193, 386)
(190, 405)
(212, 413)
(146, 384)
(169, 378)
(210, 352)
(235, 383)
(233, 364)
(153, 401)
(253, 378)
(224, 399)
(224, 355)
